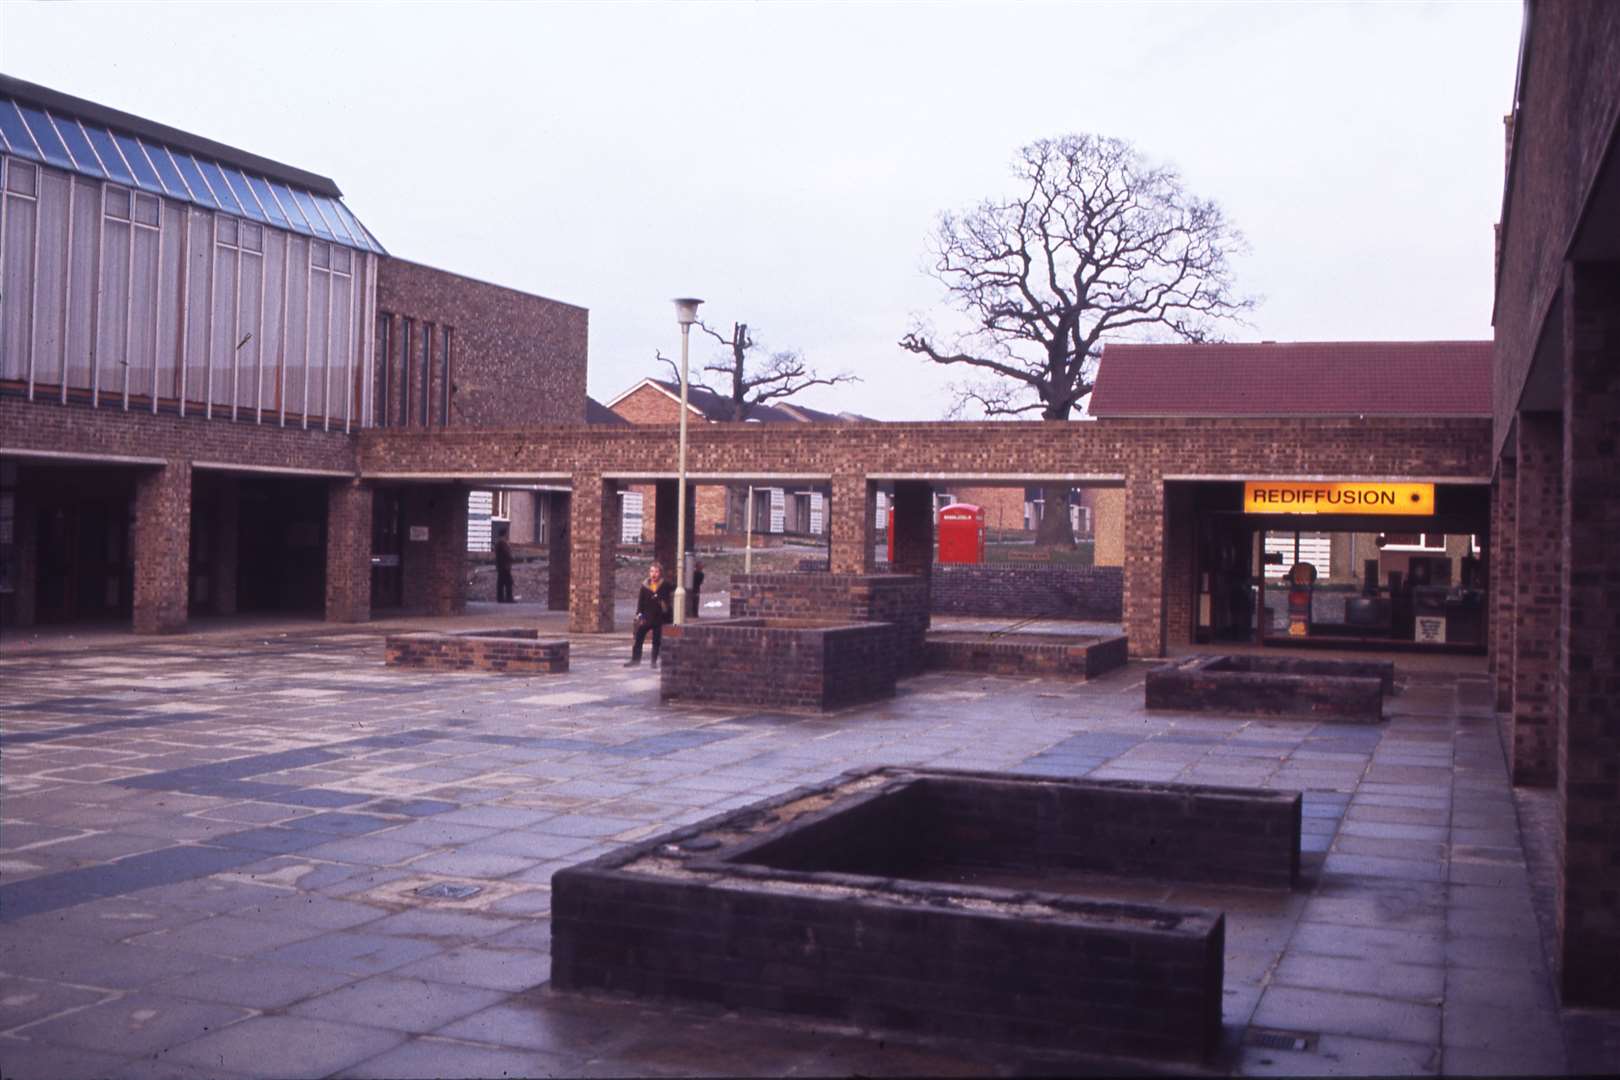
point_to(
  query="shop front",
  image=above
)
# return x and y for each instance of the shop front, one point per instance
(1342, 563)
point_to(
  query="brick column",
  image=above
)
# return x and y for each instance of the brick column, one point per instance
(348, 551)
(1504, 531)
(595, 529)
(1589, 656)
(1538, 582)
(558, 549)
(664, 521)
(913, 528)
(1144, 565)
(160, 543)
(1180, 554)
(850, 530)
(447, 550)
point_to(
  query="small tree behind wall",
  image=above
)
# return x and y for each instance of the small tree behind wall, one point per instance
(751, 379)
(1096, 243)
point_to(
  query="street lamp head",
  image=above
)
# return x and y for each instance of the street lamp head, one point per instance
(686, 310)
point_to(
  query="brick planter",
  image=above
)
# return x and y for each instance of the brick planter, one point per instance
(844, 901)
(513, 651)
(1025, 654)
(779, 663)
(1349, 690)
(898, 599)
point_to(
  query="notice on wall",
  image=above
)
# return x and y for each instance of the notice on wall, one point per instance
(419, 534)
(1431, 630)
(1330, 497)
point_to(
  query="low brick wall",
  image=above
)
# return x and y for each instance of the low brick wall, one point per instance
(1349, 690)
(1031, 592)
(516, 651)
(742, 911)
(900, 599)
(1025, 654)
(779, 663)
(944, 822)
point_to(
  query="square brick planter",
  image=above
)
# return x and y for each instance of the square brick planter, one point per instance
(1025, 654)
(801, 664)
(844, 901)
(512, 650)
(1348, 690)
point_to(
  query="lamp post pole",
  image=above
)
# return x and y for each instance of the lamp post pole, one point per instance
(686, 315)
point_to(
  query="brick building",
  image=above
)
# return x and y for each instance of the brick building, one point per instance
(720, 511)
(192, 337)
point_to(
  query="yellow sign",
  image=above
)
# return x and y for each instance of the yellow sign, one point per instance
(1323, 497)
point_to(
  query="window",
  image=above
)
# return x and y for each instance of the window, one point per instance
(444, 380)
(502, 507)
(425, 402)
(406, 326)
(385, 371)
(1413, 541)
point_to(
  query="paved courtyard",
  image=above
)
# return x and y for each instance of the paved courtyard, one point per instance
(213, 851)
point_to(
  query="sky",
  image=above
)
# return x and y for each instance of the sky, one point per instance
(786, 162)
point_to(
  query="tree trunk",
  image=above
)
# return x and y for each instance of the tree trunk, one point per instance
(1055, 529)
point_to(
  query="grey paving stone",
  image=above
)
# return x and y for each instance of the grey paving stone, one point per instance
(226, 935)
(138, 1024)
(459, 925)
(430, 1058)
(401, 1004)
(254, 984)
(357, 953)
(1425, 984)
(288, 1046)
(1343, 1013)
(23, 1001)
(26, 1060)
(477, 965)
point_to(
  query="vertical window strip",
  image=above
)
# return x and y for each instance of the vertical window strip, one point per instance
(95, 310)
(427, 373)
(33, 299)
(129, 295)
(309, 274)
(234, 342)
(406, 326)
(444, 381)
(67, 288)
(208, 341)
(258, 368)
(385, 344)
(281, 344)
(326, 343)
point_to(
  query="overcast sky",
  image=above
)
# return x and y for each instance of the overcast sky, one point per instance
(786, 161)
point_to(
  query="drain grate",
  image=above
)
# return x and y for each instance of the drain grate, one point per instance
(446, 890)
(1274, 1039)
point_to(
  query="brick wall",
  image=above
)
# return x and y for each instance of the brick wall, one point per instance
(901, 600)
(1538, 581)
(773, 664)
(1568, 100)
(1503, 559)
(160, 544)
(1589, 694)
(515, 358)
(348, 551)
(511, 652)
(1030, 592)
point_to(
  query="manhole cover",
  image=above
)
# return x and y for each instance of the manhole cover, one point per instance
(1273, 1039)
(445, 890)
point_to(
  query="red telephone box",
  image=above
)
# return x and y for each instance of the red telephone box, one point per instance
(961, 533)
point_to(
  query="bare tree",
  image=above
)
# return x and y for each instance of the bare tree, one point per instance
(751, 381)
(1098, 243)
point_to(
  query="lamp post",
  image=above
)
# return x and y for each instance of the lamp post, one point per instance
(686, 315)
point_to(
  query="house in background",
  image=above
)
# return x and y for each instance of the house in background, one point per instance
(721, 510)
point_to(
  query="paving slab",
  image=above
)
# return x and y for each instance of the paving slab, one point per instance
(239, 843)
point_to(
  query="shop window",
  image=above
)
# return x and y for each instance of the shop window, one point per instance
(1413, 541)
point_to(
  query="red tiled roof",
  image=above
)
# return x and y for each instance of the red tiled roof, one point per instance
(1295, 378)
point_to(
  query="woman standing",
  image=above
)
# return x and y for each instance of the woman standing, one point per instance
(654, 605)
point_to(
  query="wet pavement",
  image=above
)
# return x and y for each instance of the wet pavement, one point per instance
(255, 851)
